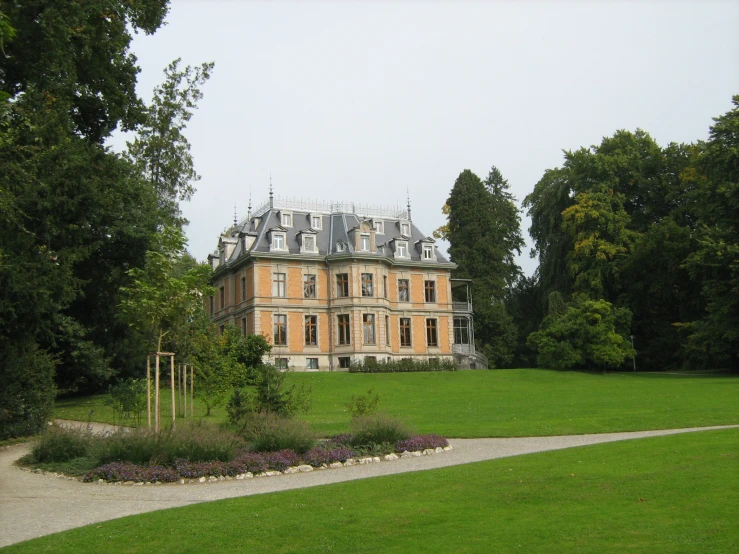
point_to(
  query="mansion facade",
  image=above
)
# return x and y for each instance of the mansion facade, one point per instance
(331, 284)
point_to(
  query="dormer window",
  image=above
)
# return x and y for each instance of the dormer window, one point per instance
(401, 250)
(405, 229)
(364, 243)
(308, 242)
(286, 219)
(278, 241)
(316, 222)
(340, 246)
(428, 252)
(379, 227)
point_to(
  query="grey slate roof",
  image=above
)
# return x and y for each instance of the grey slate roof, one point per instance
(335, 229)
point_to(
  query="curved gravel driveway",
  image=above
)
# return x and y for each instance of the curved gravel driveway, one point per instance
(33, 505)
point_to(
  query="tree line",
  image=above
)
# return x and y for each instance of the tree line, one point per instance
(94, 271)
(638, 256)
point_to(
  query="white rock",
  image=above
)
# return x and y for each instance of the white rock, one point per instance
(350, 462)
(273, 473)
(391, 457)
(212, 479)
(240, 477)
(336, 465)
(376, 459)
(248, 475)
(182, 481)
(448, 448)
(305, 468)
(101, 481)
(428, 451)
(291, 469)
(407, 454)
(201, 480)
(365, 460)
(438, 449)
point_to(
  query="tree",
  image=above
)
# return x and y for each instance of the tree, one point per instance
(483, 230)
(158, 298)
(161, 151)
(587, 334)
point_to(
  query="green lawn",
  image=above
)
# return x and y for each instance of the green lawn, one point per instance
(504, 403)
(677, 493)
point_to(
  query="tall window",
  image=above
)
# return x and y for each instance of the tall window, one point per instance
(315, 222)
(403, 294)
(461, 331)
(212, 305)
(387, 330)
(405, 331)
(287, 220)
(280, 329)
(243, 289)
(342, 284)
(309, 243)
(278, 285)
(405, 229)
(368, 328)
(311, 363)
(402, 250)
(428, 252)
(309, 286)
(367, 288)
(223, 297)
(311, 334)
(364, 242)
(384, 285)
(429, 291)
(243, 326)
(431, 334)
(343, 320)
(380, 227)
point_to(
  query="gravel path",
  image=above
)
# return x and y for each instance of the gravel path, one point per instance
(33, 505)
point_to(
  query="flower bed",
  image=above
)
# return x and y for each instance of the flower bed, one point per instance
(250, 463)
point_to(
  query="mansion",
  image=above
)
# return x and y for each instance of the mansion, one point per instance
(331, 284)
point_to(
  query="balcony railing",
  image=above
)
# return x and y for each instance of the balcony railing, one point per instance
(461, 307)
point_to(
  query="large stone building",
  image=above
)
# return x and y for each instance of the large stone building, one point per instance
(329, 284)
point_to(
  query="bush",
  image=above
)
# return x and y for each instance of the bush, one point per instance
(327, 455)
(27, 392)
(403, 365)
(377, 429)
(270, 432)
(239, 406)
(128, 399)
(421, 442)
(363, 404)
(61, 444)
(273, 394)
(195, 442)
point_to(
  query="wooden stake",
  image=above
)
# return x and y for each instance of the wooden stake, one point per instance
(148, 388)
(156, 393)
(174, 402)
(192, 393)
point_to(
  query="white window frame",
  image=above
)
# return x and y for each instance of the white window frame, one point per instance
(401, 249)
(379, 227)
(340, 246)
(303, 246)
(427, 249)
(316, 222)
(369, 332)
(286, 219)
(311, 363)
(281, 236)
(276, 282)
(364, 239)
(405, 229)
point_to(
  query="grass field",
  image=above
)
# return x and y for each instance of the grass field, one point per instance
(503, 403)
(672, 494)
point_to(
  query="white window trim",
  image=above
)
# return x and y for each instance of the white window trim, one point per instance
(340, 246)
(398, 246)
(379, 227)
(430, 248)
(320, 222)
(362, 237)
(282, 219)
(303, 249)
(405, 227)
(272, 246)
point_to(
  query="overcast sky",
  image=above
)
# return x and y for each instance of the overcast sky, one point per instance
(358, 101)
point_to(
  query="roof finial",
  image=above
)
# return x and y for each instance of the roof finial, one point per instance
(248, 214)
(271, 196)
(408, 196)
(236, 221)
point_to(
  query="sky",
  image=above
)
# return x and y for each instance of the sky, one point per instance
(366, 102)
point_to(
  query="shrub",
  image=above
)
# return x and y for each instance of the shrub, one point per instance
(27, 392)
(128, 399)
(377, 429)
(403, 365)
(280, 461)
(239, 406)
(273, 394)
(363, 404)
(269, 432)
(421, 442)
(61, 444)
(194, 441)
(326, 455)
